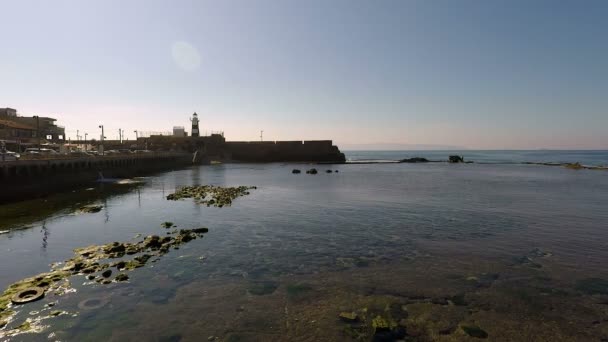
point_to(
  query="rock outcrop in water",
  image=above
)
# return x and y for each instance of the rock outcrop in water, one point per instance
(456, 159)
(414, 160)
(211, 195)
(90, 209)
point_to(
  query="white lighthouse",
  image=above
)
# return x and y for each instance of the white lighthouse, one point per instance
(195, 131)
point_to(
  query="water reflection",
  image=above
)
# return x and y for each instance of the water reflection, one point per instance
(476, 246)
(45, 235)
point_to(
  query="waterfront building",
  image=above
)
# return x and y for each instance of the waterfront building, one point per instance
(179, 131)
(8, 112)
(45, 126)
(10, 130)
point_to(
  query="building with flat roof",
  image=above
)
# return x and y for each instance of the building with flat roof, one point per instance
(179, 131)
(46, 127)
(8, 112)
(15, 131)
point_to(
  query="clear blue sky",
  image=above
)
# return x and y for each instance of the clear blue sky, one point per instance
(477, 74)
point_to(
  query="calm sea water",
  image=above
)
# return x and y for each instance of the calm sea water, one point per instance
(524, 246)
(591, 158)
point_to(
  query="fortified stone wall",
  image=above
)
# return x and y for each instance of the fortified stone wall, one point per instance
(215, 147)
(284, 151)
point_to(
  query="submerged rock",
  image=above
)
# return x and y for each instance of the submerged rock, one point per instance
(593, 286)
(312, 171)
(262, 288)
(474, 331)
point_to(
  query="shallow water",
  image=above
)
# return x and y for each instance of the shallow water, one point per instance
(514, 242)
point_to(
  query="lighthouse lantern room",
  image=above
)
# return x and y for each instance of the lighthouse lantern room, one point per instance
(195, 131)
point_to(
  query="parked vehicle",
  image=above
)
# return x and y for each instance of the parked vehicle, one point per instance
(41, 151)
(9, 156)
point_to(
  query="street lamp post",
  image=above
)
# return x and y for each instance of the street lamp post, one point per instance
(102, 137)
(38, 130)
(85, 141)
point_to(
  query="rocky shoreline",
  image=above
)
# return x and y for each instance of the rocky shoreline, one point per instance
(97, 263)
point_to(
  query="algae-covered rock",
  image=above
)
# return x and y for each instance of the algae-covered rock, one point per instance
(381, 323)
(45, 281)
(90, 209)
(574, 166)
(56, 313)
(211, 195)
(122, 277)
(87, 260)
(115, 247)
(167, 224)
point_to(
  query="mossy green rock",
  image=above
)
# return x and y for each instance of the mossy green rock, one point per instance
(122, 277)
(380, 323)
(211, 195)
(90, 209)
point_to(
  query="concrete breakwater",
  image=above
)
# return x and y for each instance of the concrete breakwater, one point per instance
(34, 178)
(284, 151)
(215, 147)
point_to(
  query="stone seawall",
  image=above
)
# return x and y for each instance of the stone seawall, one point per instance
(34, 178)
(215, 147)
(284, 151)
